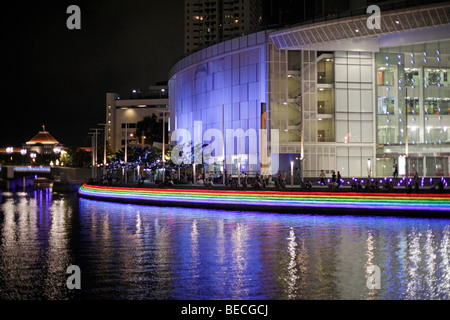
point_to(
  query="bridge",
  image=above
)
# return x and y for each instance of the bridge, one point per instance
(17, 177)
(22, 176)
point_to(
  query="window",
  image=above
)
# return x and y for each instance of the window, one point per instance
(386, 105)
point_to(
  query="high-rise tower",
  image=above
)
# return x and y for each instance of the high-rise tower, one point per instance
(211, 21)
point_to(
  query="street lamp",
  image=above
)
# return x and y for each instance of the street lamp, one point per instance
(302, 148)
(126, 143)
(292, 173)
(406, 136)
(164, 144)
(104, 147)
(126, 151)
(94, 151)
(223, 146)
(56, 151)
(33, 156)
(9, 151)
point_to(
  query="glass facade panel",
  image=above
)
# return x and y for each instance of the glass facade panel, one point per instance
(413, 107)
(385, 167)
(437, 166)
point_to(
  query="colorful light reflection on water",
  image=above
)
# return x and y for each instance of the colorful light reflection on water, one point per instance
(141, 252)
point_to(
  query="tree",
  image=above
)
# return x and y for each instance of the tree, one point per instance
(152, 129)
(144, 157)
(136, 156)
(77, 157)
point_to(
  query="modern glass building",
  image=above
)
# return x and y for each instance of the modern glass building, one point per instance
(346, 95)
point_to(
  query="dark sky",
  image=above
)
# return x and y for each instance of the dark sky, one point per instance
(60, 77)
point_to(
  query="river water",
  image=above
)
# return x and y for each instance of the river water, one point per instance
(144, 252)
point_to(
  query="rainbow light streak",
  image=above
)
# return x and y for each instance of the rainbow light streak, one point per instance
(273, 199)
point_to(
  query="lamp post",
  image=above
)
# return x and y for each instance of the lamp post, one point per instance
(126, 143)
(406, 137)
(302, 149)
(94, 151)
(163, 156)
(23, 152)
(93, 158)
(292, 172)
(9, 151)
(104, 146)
(57, 152)
(193, 173)
(125, 158)
(223, 146)
(164, 147)
(33, 156)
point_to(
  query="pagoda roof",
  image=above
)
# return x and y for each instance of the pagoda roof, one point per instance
(43, 137)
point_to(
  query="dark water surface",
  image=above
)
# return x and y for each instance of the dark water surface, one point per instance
(142, 252)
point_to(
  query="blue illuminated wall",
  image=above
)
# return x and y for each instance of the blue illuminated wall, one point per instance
(221, 87)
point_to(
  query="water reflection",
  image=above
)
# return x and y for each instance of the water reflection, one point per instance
(291, 281)
(443, 274)
(430, 262)
(34, 247)
(141, 252)
(370, 245)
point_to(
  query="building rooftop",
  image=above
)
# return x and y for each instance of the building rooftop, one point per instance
(354, 25)
(43, 137)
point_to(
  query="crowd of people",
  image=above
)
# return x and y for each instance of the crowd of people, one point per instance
(278, 181)
(244, 181)
(260, 181)
(411, 184)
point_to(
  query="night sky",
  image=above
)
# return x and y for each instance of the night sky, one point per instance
(60, 77)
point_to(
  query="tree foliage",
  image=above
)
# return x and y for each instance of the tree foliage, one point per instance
(152, 129)
(145, 157)
(77, 157)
